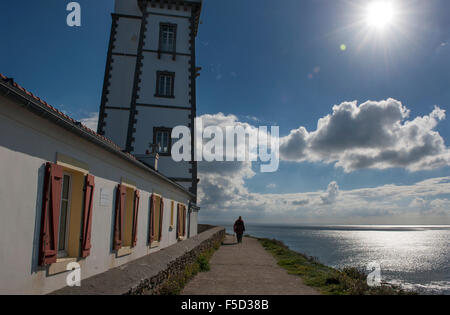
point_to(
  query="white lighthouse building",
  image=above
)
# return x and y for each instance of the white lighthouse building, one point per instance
(150, 81)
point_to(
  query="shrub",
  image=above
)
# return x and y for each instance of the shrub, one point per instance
(203, 263)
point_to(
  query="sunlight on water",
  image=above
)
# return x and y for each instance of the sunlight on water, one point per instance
(416, 257)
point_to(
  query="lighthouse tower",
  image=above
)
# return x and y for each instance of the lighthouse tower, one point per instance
(150, 81)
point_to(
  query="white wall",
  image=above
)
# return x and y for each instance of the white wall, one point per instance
(151, 64)
(183, 32)
(127, 7)
(172, 168)
(117, 122)
(27, 142)
(119, 95)
(127, 36)
(121, 82)
(150, 117)
(193, 224)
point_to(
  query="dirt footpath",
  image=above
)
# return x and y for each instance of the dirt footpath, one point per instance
(245, 269)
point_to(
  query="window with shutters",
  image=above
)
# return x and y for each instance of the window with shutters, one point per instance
(66, 214)
(126, 219)
(156, 220)
(181, 222)
(71, 212)
(167, 37)
(165, 84)
(162, 137)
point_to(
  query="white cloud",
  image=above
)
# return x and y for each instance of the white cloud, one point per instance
(293, 147)
(332, 194)
(91, 121)
(224, 182)
(303, 202)
(373, 135)
(418, 203)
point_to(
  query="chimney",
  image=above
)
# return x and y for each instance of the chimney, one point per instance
(152, 159)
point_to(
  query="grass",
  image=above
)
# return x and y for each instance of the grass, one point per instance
(175, 284)
(348, 281)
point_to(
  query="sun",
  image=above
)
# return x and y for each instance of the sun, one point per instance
(380, 14)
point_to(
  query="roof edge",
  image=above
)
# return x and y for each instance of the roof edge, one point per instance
(43, 109)
(196, 6)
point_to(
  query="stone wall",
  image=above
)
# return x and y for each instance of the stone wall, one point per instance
(148, 274)
(204, 227)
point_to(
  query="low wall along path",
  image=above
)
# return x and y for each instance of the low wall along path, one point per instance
(148, 274)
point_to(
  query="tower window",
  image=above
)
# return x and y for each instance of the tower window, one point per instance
(165, 84)
(162, 138)
(167, 37)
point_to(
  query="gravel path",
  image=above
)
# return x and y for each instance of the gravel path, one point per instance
(245, 269)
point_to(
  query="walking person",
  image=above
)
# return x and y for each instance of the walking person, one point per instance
(239, 229)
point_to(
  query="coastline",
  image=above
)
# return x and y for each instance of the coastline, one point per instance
(328, 280)
(415, 258)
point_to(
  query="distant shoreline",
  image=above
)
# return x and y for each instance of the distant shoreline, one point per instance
(405, 254)
(337, 225)
(328, 280)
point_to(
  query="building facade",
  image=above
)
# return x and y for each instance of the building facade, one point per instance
(72, 195)
(150, 81)
(69, 195)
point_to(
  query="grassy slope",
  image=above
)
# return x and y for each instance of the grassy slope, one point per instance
(349, 281)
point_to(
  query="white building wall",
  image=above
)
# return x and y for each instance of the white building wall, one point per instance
(119, 119)
(129, 7)
(173, 169)
(150, 117)
(27, 142)
(183, 32)
(127, 36)
(151, 64)
(121, 83)
(193, 225)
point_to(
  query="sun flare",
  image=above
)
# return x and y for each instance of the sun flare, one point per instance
(380, 14)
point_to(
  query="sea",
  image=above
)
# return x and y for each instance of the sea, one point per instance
(413, 257)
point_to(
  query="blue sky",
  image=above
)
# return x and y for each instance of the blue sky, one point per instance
(266, 63)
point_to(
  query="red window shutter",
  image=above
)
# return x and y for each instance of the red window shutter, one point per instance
(51, 207)
(151, 231)
(184, 220)
(135, 217)
(161, 213)
(87, 216)
(120, 208)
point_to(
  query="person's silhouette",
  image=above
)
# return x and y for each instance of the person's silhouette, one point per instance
(239, 229)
